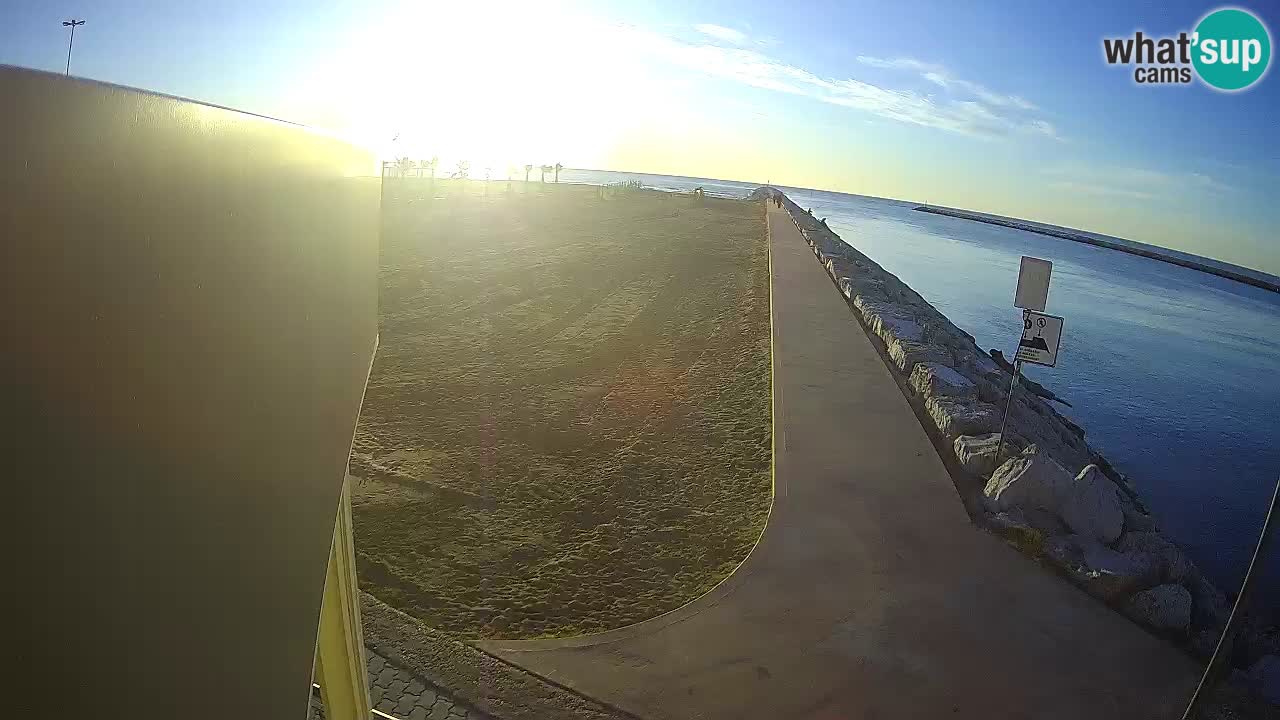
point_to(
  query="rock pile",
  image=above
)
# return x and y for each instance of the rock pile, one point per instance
(1049, 492)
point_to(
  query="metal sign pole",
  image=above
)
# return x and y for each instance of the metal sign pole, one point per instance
(1017, 367)
(1004, 422)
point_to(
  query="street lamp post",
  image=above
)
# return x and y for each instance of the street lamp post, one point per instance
(71, 24)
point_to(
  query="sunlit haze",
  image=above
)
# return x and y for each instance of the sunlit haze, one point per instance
(1008, 110)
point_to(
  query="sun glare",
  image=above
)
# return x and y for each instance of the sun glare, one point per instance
(496, 86)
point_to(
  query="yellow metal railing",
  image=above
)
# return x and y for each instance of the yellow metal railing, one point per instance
(341, 666)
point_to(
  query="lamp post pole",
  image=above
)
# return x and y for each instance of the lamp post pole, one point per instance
(71, 24)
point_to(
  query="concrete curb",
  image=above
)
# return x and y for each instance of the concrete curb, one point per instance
(488, 683)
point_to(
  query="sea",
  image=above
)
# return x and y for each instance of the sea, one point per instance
(1174, 373)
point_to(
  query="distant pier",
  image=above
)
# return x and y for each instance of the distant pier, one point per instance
(1262, 282)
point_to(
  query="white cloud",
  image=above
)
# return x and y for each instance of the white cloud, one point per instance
(1207, 183)
(936, 78)
(1044, 127)
(1134, 182)
(1085, 188)
(902, 63)
(939, 75)
(720, 32)
(967, 108)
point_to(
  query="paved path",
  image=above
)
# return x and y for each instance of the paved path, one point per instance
(401, 694)
(870, 595)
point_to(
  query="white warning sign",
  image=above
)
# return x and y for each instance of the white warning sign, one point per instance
(1040, 337)
(1033, 283)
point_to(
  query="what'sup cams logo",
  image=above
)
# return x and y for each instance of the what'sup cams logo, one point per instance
(1229, 50)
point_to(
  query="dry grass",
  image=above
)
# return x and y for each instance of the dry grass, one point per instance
(568, 424)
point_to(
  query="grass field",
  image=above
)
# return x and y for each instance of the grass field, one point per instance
(567, 428)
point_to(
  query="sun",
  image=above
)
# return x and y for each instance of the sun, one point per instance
(498, 86)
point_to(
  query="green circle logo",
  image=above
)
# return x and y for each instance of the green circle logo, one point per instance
(1232, 49)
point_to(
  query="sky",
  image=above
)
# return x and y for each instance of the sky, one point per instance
(1001, 107)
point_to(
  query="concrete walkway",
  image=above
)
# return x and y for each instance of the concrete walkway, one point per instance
(870, 595)
(402, 694)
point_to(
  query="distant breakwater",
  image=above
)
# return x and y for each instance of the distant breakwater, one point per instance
(1044, 488)
(1099, 242)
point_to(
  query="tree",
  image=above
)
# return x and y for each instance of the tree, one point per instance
(559, 167)
(403, 166)
(527, 170)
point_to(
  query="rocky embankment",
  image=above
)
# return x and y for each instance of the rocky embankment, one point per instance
(1049, 493)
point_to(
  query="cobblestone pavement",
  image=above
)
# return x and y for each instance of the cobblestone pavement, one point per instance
(405, 696)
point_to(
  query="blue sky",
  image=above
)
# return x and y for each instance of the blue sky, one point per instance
(1001, 107)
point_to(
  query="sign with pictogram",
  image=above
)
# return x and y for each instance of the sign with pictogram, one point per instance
(1041, 335)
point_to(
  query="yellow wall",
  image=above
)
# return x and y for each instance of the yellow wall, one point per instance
(190, 311)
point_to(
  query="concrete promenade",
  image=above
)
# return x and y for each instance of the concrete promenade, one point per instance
(870, 594)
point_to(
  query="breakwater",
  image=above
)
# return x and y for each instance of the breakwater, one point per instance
(1050, 493)
(1241, 275)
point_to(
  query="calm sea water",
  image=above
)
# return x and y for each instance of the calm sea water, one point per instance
(1173, 373)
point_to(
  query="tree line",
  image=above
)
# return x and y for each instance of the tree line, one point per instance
(408, 167)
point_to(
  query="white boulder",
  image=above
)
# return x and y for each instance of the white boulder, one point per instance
(838, 267)
(1039, 425)
(977, 453)
(976, 365)
(1174, 565)
(1163, 607)
(1021, 525)
(958, 416)
(1014, 527)
(899, 326)
(940, 331)
(865, 286)
(888, 321)
(827, 249)
(906, 354)
(892, 323)
(1045, 521)
(869, 307)
(1092, 508)
(936, 380)
(1030, 480)
(1210, 607)
(1135, 520)
(1097, 569)
(846, 287)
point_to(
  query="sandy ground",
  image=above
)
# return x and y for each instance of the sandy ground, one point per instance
(567, 428)
(871, 594)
